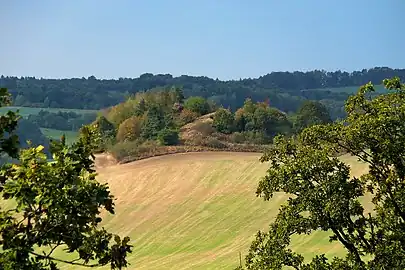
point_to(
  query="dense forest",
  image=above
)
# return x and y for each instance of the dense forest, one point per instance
(284, 90)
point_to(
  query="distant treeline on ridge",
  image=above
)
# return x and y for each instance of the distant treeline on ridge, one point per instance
(284, 90)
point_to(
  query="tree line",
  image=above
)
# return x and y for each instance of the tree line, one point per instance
(285, 90)
(28, 128)
(69, 121)
(162, 117)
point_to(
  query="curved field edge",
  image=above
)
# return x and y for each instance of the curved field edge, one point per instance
(178, 149)
(197, 210)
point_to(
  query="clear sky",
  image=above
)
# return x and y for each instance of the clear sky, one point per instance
(225, 39)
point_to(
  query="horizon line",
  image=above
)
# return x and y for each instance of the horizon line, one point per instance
(198, 76)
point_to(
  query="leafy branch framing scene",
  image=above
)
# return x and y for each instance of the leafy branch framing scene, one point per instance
(50, 205)
(324, 196)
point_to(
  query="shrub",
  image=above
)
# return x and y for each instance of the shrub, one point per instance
(102, 124)
(204, 128)
(130, 129)
(221, 136)
(148, 146)
(120, 112)
(198, 105)
(177, 107)
(240, 120)
(104, 133)
(224, 121)
(197, 139)
(186, 116)
(168, 137)
(238, 137)
(124, 149)
(214, 143)
(256, 137)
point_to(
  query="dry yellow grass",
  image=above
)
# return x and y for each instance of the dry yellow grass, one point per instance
(195, 210)
(189, 131)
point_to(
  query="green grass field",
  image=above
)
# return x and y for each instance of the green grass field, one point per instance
(71, 136)
(55, 134)
(26, 111)
(196, 211)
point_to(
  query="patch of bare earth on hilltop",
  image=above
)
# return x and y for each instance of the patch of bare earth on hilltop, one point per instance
(197, 136)
(191, 130)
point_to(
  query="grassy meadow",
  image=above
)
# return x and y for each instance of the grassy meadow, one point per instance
(26, 111)
(196, 210)
(71, 136)
(56, 134)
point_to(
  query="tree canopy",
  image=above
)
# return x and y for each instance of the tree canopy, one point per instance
(325, 197)
(50, 205)
(311, 113)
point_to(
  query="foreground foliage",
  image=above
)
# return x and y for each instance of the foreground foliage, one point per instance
(53, 205)
(325, 197)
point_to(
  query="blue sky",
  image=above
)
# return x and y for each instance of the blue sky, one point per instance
(225, 39)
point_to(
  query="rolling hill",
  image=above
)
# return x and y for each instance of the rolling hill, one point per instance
(26, 111)
(195, 210)
(348, 89)
(55, 134)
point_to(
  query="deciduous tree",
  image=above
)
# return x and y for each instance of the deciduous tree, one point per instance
(324, 196)
(130, 129)
(311, 113)
(168, 137)
(198, 105)
(224, 121)
(53, 205)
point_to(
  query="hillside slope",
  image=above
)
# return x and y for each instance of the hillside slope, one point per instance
(195, 210)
